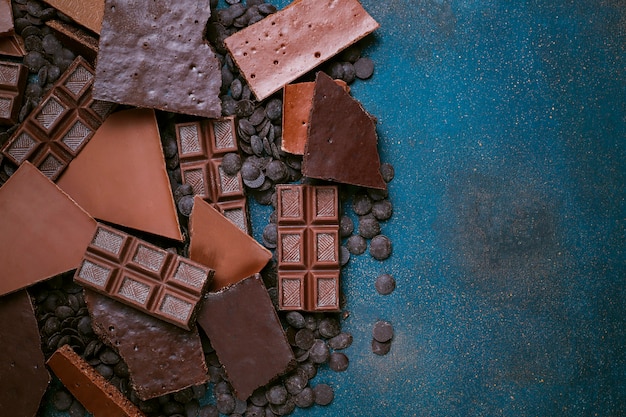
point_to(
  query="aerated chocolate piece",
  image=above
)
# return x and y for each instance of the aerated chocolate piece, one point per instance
(6, 18)
(342, 141)
(43, 232)
(201, 147)
(77, 39)
(153, 280)
(161, 357)
(58, 129)
(285, 45)
(92, 390)
(86, 12)
(22, 369)
(245, 331)
(308, 247)
(13, 78)
(153, 54)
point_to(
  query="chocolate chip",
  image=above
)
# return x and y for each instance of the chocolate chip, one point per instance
(274, 109)
(171, 407)
(329, 327)
(77, 409)
(267, 8)
(385, 284)
(199, 391)
(51, 45)
(209, 411)
(246, 128)
(282, 409)
(231, 163)
(307, 369)
(344, 255)
(382, 210)
(341, 341)
(364, 68)
(33, 43)
(338, 362)
(257, 145)
(121, 370)
(258, 397)
(229, 106)
(305, 399)
(349, 73)
(34, 61)
(249, 170)
(311, 321)
(225, 403)
(387, 171)
(295, 319)
(183, 396)
(254, 411)
(346, 226)
(361, 204)
(51, 326)
(236, 89)
(277, 394)
(377, 195)
(258, 183)
(295, 383)
(368, 226)
(356, 244)
(382, 331)
(244, 108)
(104, 370)
(304, 339)
(336, 70)
(258, 116)
(62, 400)
(380, 348)
(324, 394)
(31, 30)
(351, 54)
(319, 352)
(276, 171)
(185, 205)
(380, 247)
(108, 357)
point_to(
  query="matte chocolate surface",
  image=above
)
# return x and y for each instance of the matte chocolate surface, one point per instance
(201, 146)
(342, 141)
(153, 55)
(13, 78)
(61, 125)
(220, 245)
(43, 231)
(91, 389)
(151, 279)
(12, 45)
(308, 247)
(6, 17)
(23, 374)
(120, 176)
(77, 39)
(244, 329)
(285, 45)
(86, 12)
(161, 357)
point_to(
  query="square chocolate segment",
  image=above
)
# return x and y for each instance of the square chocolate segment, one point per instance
(13, 78)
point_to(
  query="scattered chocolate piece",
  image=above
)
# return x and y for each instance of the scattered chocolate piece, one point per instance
(249, 341)
(382, 210)
(324, 394)
(172, 67)
(77, 39)
(356, 244)
(342, 140)
(278, 49)
(364, 68)
(341, 341)
(369, 226)
(338, 362)
(380, 247)
(387, 172)
(381, 348)
(161, 357)
(99, 397)
(385, 284)
(88, 13)
(22, 369)
(12, 82)
(382, 331)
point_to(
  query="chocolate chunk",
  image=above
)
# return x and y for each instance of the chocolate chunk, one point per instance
(87, 12)
(356, 244)
(319, 353)
(361, 204)
(380, 247)
(324, 394)
(12, 45)
(364, 68)
(382, 210)
(306, 398)
(385, 284)
(338, 362)
(369, 227)
(382, 331)
(380, 348)
(12, 82)
(295, 319)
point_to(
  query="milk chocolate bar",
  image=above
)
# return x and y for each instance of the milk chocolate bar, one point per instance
(13, 78)
(57, 130)
(12, 45)
(308, 247)
(86, 12)
(144, 276)
(201, 146)
(92, 390)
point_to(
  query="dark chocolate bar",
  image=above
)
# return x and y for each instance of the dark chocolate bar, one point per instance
(65, 120)
(144, 276)
(13, 78)
(308, 247)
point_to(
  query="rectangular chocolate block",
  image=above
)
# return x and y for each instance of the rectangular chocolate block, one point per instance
(308, 247)
(245, 331)
(144, 276)
(13, 77)
(92, 390)
(6, 18)
(286, 45)
(88, 13)
(58, 129)
(201, 147)
(76, 39)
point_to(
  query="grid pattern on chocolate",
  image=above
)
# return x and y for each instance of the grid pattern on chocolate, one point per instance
(144, 276)
(58, 129)
(12, 82)
(308, 247)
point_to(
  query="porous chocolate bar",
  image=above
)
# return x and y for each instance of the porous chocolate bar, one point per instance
(57, 130)
(201, 147)
(308, 247)
(92, 390)
(13, 78)
(144, 276)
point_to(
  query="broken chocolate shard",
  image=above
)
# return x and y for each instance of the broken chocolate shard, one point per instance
(285, 45)
(12, 45)
(22, 365)
(85, 12)
(92, 390)
(151, 279)
(39, 222)
(172, 67)
(161, 357)
(219, 244)
(342, 144)
(125, 159)
(245, 331)
(308, 247)
(13, 78)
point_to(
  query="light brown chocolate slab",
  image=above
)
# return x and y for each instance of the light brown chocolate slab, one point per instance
(88, 13)
(6, 17)
(219, 244)
(285, 45)
(12, 45)
(43, 231)
(120, 175)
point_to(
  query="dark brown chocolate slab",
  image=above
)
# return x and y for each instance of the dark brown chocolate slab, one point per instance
(146, 277)
(342, 144)
(152, 54)
(13, 77)
(308, 247)
(92, 390)
(23, 374)
(245, 331)
(76, 39)
(161, 357)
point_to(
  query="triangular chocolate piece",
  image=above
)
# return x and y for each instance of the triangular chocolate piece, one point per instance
(342, 141)
(219, 244)
(43, 231)
(120, 175)
(12, 45)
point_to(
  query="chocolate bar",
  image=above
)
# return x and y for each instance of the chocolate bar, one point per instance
(92, 390)
(144, 276)
(308, 247)
(77, 39)
(85, 12)
(13, 78)
(22, 369)
(6, 18)
(286, 45)
(201, 146)
(12, 45)
(57, 130)
(161, 357)
(245, 331)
